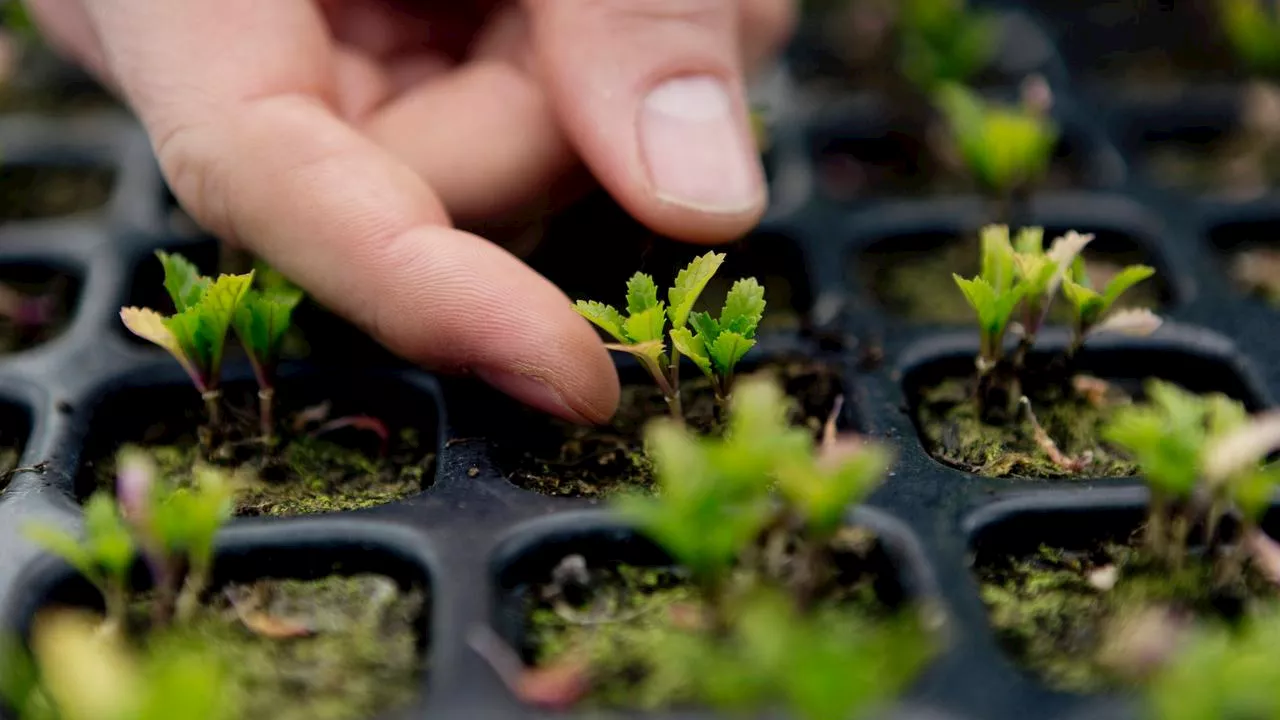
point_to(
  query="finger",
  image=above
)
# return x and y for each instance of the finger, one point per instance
(236, 95)
(650, 93)
(766, 27)
(485, 135)
(66, 27)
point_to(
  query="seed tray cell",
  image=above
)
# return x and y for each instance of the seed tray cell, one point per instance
(473, 540)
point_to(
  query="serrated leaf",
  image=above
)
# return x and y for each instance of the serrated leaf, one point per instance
(1030, 241)
(646, 325)
(692, 347)
(110, 543)
(743, 308)
(182, 280)
(997, 257)
(690, 283)
(1123, 280)
(154, 327)
(1135, 322)
(650, 350)
(1064, 253)
(605, 317)
(642, 294)
(261, 320)
(977, 292)
(705, 326)
(217, 310)
(728, 349)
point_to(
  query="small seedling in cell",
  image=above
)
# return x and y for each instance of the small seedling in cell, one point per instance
(261, 321)
(1092, 309)
(944, 41)
(1253, 29)
(196, 335)
(717, 345)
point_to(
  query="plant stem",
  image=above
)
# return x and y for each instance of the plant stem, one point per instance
(674, 369)
(189, 599)
(213, 406)
(266, 414)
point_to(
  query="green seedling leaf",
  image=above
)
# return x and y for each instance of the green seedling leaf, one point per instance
(106, 535)
(1123, 280)
(1003, 147)
(824, 494)
(201, 330)
(692, 347)
(646, 325)
(690, 283)
(261, 321)
(743, 308)
(728, 349)
(998, 263)
(1253, 30)
(154, 327)
(182, 280)
(605, 317)
(642, 294)
(705, 326)
(66, 546)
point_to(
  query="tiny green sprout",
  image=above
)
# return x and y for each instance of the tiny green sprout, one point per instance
(196, 334)
(75, 672)
(1220, 671)
(1253, 29)
(1090, 308)
(1203, 459)
(1007, 149)
(714, 345)
(104, 554)
(943, 41)
(994, 294)
(261, 321)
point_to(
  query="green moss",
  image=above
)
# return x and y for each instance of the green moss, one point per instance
(304, 475)
(1057, 623)
(915, 284)
(361, 657)
(557, 458)
(953, 432)
(632, 617)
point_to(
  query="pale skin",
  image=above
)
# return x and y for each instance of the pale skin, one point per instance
(345, 141)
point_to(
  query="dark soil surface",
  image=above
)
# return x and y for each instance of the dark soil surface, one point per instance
(340, 648)
(1076, 618)
(32, 192)
(952, 431)
(305, 473)
(556, 458)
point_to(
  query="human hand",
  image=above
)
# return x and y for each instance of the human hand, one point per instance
(339, 140)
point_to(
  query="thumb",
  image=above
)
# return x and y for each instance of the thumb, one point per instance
(651, 94)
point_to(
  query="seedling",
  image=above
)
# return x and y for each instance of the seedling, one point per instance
(943, 41)
(196, 334)
(75, 672)
(171, 527)
(261, 321)
(1022, 275)
(714, 345)
(1221, 672)
(714, 500)
(1091, 307)
(1006, 148)
(1203, 460)
(1253, 29)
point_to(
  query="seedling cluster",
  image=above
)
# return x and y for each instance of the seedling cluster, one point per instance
(196, 334)
(714, 344)
(1015, 289)
(753, 517)
(943, 41)
(1253, 29)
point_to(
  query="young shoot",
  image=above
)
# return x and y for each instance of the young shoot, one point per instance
(944, 41)
(75, 672)
(993, 294)
(1091, 309)
(171, 527)
(104, 554)
(714, 345)
(714, 502)
(1253, 29)
(261, 321)
(196, 334)
(1203, 460)
(1006, 148)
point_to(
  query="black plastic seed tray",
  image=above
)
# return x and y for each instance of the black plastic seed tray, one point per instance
(477, 542)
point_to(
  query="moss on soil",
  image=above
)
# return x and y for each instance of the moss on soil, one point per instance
(360, 655)
(29, 192)
(1066, 628)
(558, 458)
(1256, 270)
(949, 422)
(9, 455)
(303, 475)
(916, 284)
(622, 622)
(1234, 166)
